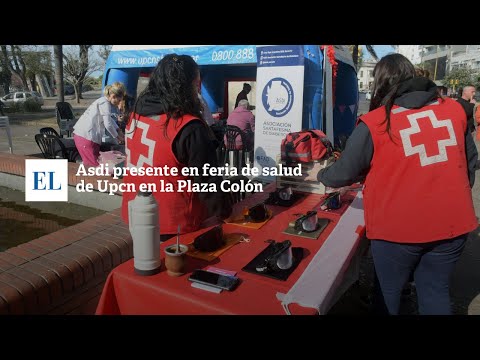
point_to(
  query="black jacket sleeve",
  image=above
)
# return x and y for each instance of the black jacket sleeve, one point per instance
(472, 157)
(194, 148)
(354, 163)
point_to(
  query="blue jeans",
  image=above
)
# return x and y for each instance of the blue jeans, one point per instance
(432, 265)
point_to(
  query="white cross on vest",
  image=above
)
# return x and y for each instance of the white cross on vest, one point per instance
(420, 149)
(142, 159)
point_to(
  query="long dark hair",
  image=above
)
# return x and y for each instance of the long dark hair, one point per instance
(171, 84)
(388, 75)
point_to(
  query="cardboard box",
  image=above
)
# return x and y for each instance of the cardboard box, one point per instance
(298, 183)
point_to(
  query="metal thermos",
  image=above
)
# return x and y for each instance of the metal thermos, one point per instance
(145, 231)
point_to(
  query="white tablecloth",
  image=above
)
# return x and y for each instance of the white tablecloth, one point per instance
(335, 266)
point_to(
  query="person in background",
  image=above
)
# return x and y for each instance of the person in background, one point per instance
(242, 95)
(245, 120)
(418, 159)
(100, 115)
(422, 72)
(468, 102)
(167, 129)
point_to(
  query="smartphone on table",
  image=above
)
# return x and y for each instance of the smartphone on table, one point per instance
(213, 279)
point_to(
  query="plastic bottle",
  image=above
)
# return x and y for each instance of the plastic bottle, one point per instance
(145, 231)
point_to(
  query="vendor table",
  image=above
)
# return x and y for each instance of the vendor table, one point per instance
(329, 266)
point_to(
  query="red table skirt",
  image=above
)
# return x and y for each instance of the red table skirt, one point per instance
(128, 293)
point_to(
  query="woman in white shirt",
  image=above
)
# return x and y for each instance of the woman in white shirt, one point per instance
(100, 115)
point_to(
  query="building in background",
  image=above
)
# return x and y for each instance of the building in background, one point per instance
(411, 52)
(365, 76)
(434, 59)
(470, 58)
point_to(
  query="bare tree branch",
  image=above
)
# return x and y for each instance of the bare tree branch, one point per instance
(15, 62)
(104, 51)
(77, 67)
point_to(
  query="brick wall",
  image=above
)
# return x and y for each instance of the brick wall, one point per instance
(62, 272)
(15, 165)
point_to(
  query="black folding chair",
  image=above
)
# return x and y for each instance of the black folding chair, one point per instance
(65, 118)
(234, 156)
(52, 148)
(49, 131)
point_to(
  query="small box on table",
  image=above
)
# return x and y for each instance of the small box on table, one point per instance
(298, 183)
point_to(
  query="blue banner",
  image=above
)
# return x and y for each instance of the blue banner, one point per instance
(203, 55)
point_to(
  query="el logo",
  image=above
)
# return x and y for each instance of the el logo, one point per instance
(46, 180)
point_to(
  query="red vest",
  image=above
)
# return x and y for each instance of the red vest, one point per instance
(148, 147)
(417, 189)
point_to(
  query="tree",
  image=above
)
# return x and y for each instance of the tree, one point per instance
(359, 55)
(355, 53)
(104, 51)
(37, 63)
(13, 58)
(461, 77)
(77, 67)
(84, 59)
(5, 75)
(58, 56)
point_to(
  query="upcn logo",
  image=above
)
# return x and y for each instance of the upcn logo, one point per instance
(46, 180)
(277, 97)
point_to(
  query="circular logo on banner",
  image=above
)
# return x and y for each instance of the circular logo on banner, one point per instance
(277, 97)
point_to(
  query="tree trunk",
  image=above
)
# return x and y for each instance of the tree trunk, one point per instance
(77, 92)
(84, 62)
(355, 55)
(5, 74)
(58, 55)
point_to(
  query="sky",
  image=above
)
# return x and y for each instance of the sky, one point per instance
(381, 51)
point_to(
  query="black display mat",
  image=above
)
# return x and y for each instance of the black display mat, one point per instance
(322, 224)
(297, 253)
(286, 203)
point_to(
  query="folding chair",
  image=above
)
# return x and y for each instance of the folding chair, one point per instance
(53, 148)
(4, 123)
(65, 118)
(234, 156)
(49, 131)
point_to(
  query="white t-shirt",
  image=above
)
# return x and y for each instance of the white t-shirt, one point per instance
(99, 116)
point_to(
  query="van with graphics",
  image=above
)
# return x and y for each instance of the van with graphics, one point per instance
(293, 86)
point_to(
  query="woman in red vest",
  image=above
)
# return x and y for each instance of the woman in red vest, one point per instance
(418, 160)
(167, 130)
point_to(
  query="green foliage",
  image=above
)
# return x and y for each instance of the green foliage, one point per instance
(465, 76)
(30, 105)
(37, 62)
